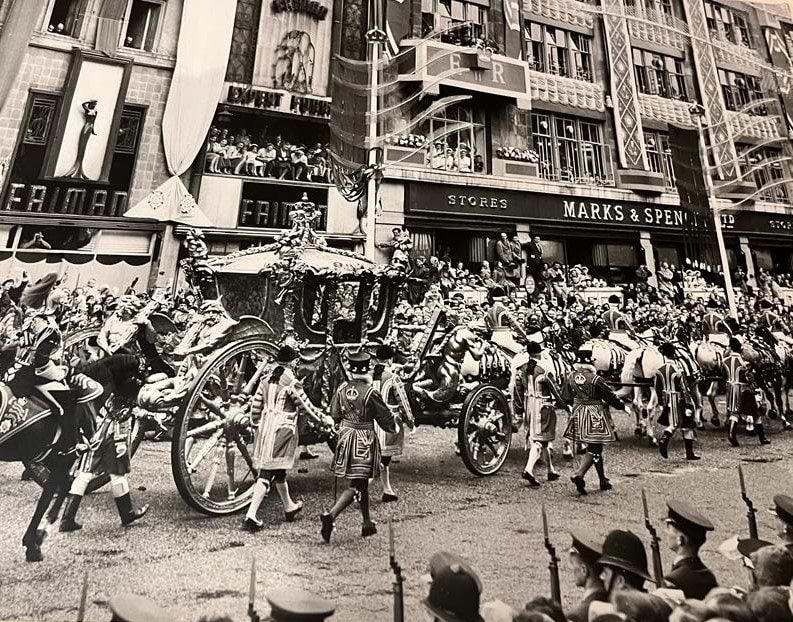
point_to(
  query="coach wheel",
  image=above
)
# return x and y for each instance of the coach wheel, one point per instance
(212, 446)
(484, 434)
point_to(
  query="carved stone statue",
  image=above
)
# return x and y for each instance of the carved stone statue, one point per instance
(90, 112)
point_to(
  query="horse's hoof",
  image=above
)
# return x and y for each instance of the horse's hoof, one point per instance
(773, 414)
(715, 422)
(33, 554)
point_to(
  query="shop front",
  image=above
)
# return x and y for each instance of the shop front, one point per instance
(611, 237)
(68, 185)
(769, 237)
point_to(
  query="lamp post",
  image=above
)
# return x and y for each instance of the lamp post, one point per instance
(376, 37)
(697, 113)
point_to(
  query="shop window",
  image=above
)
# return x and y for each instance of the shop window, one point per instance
(456, 140)
(657, 74)
(255, 145)
(668, 255)
(571, 150)
(456, 21)
(763, 259)
(141, 24)
(47, 238)
(767, 172)
(740, 90)
(65, 17)
(242, 55)
(659, 156)
(622, 255)
(559, 52)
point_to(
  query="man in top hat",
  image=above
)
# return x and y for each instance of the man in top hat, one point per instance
(393, 392)
(686, 532)
(455, 591)
(590, 421)
(276, 408)
(295, 605)
(783, 508)
(623, 563)
(535, 397)
(583, 556)
(741, 397)
(355, 407)
(676, 405)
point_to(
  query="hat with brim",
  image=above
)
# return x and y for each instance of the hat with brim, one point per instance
(586, 545)
(748, 546)
(624, 550)
(454, 594)
(783, 508)
(359, 362)
(132, 608)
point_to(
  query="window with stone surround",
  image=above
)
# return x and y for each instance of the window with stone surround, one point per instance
(740, 90)
(40, 119)
(657, 74)
(458, 22)
(65, 17)
(559, 52)
(571, 150)
(727, 23)
(659, 155)
(141, 24)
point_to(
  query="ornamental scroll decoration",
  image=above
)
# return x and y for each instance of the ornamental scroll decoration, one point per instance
(630, 137)
(720, 131)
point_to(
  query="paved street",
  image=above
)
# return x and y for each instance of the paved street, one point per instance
(196, 565)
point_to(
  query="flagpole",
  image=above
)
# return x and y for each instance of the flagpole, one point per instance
(375, 36)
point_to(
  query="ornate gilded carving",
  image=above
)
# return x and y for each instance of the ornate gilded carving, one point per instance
(630, 137)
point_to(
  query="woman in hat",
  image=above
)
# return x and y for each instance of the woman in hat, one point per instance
(589, 422)
(276, 406)
(355, 406)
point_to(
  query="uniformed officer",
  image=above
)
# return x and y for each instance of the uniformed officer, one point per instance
(583, 557)
(783, 508)
(741, 399)
(686, 531)
(132, 608)
(676, 407)
(454, 594)
(295, 605)
(623, 562)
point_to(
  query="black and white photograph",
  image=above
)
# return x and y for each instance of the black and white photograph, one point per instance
(396, 311)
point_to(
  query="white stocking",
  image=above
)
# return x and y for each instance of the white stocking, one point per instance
(534, 456)
(260, 490)
(80, 483)
(547, 457)
(385, 478)
(283, 492)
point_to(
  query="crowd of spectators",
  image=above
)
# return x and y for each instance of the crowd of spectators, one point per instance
(274, 157)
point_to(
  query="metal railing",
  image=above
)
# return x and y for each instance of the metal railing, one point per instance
(576, 162)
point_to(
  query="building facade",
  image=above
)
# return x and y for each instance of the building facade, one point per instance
(80, 139)
(565, 131)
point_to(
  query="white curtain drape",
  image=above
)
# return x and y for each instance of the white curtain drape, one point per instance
(202, 57)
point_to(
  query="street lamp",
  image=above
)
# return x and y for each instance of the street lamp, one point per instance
(697, 112)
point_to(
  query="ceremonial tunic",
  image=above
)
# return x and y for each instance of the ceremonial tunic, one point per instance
(740, 397)
(618, 326)
(102, 457)
(533, 398)
(357, 405)
(277, 406)
(590, 397)
(692, 576)
(393, 393)
(672, 392)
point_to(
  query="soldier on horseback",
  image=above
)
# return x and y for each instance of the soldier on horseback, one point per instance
(619, 325)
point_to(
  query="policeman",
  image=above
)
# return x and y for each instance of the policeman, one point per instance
(294, 605)
(583, 557)
(132, 608)
(686, 531)
(455, 593)
(623, 562)
(783, 508)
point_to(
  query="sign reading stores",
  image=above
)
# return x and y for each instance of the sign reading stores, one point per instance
(506, 204)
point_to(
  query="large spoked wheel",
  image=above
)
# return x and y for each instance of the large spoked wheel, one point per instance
(484, 433)
(39, 473)
(211, 450)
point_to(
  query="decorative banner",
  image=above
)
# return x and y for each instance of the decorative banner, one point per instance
(397, 23)
(89, 118)
(14, 39)
(171, 202)
(293, 48)
(689, 174)
(108, 28)
(780, 58)
(513, 33)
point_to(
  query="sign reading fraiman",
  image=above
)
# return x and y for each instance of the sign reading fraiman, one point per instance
(267, 206)
(64, 199)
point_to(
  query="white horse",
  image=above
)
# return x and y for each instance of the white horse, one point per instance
(639, 371)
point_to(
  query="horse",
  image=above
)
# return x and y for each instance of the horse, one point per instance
(638, 372)
(38, 438)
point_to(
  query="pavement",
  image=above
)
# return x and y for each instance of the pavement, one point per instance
(195, 565)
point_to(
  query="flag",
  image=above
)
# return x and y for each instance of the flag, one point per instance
(513, 33)
(108, 29)
(397, 24)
